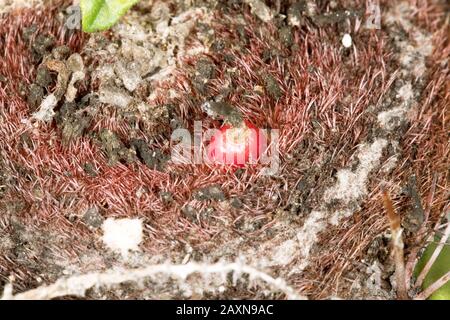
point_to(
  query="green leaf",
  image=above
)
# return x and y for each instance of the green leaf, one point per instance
(100, 15)
(440, 267)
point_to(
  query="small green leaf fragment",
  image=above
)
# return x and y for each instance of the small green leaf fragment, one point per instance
(440, 267)
(98, 15)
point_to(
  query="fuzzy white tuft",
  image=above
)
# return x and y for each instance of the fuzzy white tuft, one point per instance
(347, 40)
(122, 235)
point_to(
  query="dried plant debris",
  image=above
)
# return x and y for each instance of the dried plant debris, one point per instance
(210, 193)
(154, 159)
(73, 122)
(69, 72)
(224, 111)
(93, 218)
(114, 148)
(8, 5)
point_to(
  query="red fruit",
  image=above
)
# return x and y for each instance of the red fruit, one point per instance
(237, 146)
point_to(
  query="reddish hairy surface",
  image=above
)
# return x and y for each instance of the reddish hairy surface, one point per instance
(324, 108)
